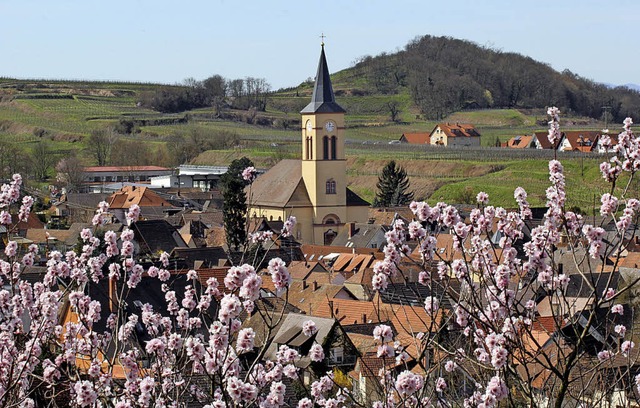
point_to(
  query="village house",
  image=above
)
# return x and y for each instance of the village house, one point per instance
(205, 178)
(454, 134)
(580, 140)
(521, 142)
(150, 203)
(359, 235)
(541, 141)
(423, 138)
(96, 177)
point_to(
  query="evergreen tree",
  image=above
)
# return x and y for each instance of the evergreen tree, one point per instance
(235, 203)
(392, 185)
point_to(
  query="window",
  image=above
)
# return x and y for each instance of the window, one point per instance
(333, 148)
(309, 148)
(331, 186)
(329, 236)
(325, 148)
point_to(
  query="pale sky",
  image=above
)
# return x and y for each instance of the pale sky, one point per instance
(168, 41)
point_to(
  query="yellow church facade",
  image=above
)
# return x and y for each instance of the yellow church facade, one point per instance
(314, 188)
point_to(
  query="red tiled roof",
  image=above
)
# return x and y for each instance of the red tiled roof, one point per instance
(520, 142)
(547, 324)
(142, 196)
(457, 129)
(582, 140)
(416, 138)
(32, 222)
(543, 139)
(632, 260)
(124, 169)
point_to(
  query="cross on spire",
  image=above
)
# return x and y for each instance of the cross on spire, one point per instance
(322, 37)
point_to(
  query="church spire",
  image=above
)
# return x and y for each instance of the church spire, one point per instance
(323, 100)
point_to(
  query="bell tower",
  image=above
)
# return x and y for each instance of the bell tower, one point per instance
(324, 165)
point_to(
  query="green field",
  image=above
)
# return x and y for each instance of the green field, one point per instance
(65, 113)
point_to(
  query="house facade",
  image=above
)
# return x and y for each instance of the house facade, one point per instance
(454, 134)
(95, 177)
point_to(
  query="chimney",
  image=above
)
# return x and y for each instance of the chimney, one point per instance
(315, 285)
(304, 284)
(352, 229)
(364, 318)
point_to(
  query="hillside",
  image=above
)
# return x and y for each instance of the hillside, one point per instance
(443, 75)
(502, 94)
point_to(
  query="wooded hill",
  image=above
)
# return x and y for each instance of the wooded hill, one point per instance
(445, 75)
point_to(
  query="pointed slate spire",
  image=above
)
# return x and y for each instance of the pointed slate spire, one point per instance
(323, 100)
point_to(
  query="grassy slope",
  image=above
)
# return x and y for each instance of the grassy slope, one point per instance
(95, 105)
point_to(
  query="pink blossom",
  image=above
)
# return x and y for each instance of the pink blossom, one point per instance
(431, 304)
(627, 346)
(245, 340)
(408, 383)
(85, 394)
(309, 328)
(620, 330)
(11, 249)
(441, 384)
(383, 333)
(316, 353)
(249, 174)
(605, 355)
(450, 366)
(618, 309)
(287, 228)
(279, 273)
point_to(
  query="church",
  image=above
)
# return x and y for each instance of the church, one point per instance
(314, 188)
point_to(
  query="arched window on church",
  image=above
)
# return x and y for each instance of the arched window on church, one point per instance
(309, 148)
(333, 148)
(331, 186)
(331, 219)
(325, 148)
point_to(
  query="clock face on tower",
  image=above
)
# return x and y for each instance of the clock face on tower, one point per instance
(309, 126)
(330, 126)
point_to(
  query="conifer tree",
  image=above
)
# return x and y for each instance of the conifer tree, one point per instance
(234, 210)
(393, 186)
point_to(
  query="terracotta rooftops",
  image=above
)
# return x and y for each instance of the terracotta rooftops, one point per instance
(416, 138)
(125, 169)
(458, 129)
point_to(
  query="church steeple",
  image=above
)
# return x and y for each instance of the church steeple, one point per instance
(323, 100)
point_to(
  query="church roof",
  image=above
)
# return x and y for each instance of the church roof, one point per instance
(323, 100)
(282, 185)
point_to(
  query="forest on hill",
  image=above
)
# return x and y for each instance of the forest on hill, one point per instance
(444, 75)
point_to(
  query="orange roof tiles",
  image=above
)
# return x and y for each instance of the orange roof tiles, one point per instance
(458, 129)
(632, 260)
(520, 142)
(124, 169)
(416, 138)
(141, 196)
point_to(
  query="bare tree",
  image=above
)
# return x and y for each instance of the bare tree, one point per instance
(394, 110)
(100, 144)
(70, 173)
(42, 160)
